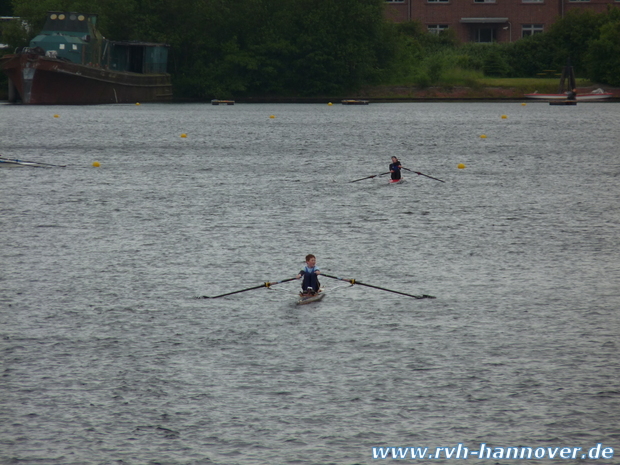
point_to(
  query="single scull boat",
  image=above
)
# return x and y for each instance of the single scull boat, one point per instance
(309, 298)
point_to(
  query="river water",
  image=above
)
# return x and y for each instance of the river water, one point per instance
(110, 356)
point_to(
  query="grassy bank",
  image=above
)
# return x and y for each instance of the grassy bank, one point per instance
(529, 85)
(482, 88)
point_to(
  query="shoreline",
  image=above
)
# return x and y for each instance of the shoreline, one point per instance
(404, 94)
(401, 94)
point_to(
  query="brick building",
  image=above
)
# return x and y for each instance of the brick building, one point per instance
(488, 20)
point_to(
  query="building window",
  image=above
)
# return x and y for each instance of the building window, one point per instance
(531, 29)
(484, 1)
(578, 1)
(484, 35)
(532, 1)
(438, 1)
(394, 1)
(436, 28)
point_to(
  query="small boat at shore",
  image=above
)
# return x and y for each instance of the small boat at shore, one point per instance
(598, 94)
(567, 91)
(355, 102)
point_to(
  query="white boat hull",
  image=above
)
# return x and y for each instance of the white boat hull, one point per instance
(580, 97)
(307, 299)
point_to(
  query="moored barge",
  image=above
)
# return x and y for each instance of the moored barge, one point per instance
(70, 62)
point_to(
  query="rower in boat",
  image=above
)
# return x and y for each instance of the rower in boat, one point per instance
(310, 284)
(395, 168)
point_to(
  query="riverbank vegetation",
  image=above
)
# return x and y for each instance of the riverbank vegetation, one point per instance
(303, 48)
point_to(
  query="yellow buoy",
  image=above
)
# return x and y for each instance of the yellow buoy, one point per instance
(504, 117)
(460, 166)
(56, 116)
(184, 135)
(137, 103)
(523, 104)
(96, 164)
(330, 104)
(483, 136)
(272, 116)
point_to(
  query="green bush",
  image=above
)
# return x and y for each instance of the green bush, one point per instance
(603, 55)
(495, 65)
(531, 55)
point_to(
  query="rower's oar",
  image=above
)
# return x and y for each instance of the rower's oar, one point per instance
(368, 177)
(267, 285)
(27, 161)
(422, 174)
(353, 281)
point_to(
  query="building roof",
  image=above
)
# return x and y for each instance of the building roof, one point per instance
(484, 20)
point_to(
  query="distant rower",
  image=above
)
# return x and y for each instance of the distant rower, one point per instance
(395, 168)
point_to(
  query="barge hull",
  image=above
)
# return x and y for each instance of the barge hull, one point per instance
(41, 80)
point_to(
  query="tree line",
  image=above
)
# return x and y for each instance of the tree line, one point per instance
(224, 49)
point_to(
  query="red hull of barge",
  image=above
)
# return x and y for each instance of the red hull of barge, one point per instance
(41, 80)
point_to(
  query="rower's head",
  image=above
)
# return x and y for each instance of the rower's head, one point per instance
(310, 260)
(394, 159)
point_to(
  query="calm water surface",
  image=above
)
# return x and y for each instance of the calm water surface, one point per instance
(109, 356)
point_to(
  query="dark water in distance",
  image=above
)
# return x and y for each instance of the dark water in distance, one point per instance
(109, 357)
